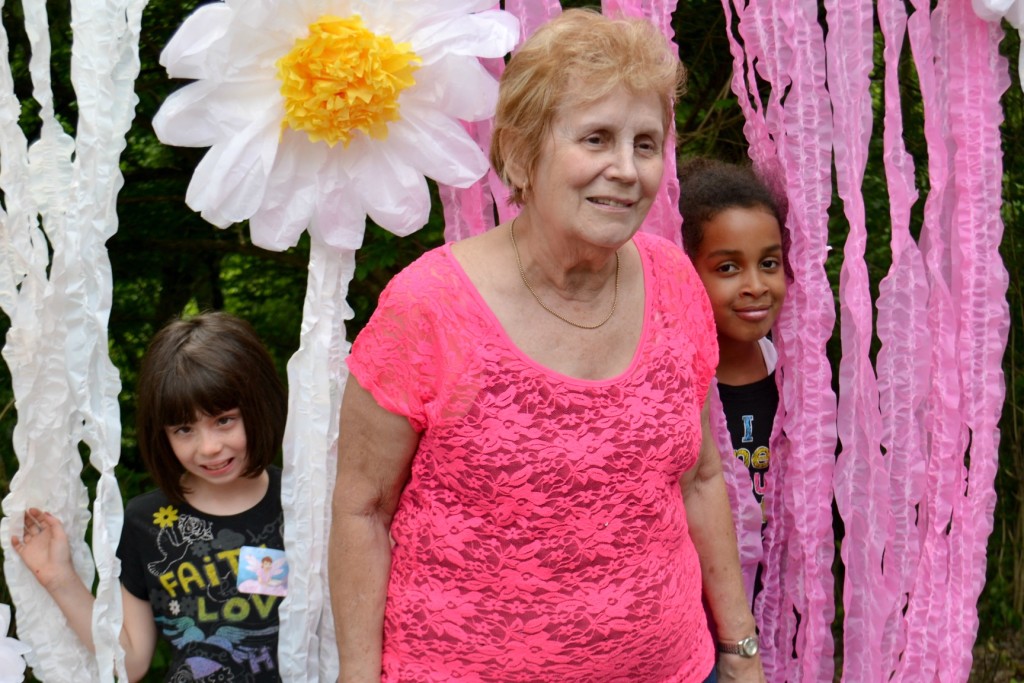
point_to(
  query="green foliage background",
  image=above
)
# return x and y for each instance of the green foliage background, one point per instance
(167, 260)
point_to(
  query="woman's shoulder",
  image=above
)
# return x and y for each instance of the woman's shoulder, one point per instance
(430, 271)
(433, 292)
(666, 261)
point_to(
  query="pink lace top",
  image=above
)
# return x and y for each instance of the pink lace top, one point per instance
(542, 534)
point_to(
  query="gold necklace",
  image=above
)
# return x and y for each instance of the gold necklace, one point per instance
(522, 274)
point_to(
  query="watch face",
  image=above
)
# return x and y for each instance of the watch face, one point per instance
(748, 647)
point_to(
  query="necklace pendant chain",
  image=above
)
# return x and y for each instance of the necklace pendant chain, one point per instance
(522, 274)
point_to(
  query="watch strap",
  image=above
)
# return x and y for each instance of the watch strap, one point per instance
(748, 647)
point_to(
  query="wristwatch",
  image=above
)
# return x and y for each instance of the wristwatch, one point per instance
(745, 648)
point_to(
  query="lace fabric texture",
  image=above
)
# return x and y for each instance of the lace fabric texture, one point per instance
(542, 534)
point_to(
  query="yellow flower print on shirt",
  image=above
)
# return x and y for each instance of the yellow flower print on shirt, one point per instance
(165, 517)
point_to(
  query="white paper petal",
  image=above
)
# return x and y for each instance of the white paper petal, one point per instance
(1016, 15)
(204, 112)
(186, 53)
(488, 34)
(340, 219)
(438, 147)
(473, 100)
(291, 194)
(994, 10)
(401, 18)
(394, 194)
(229, 182)
(242, 41)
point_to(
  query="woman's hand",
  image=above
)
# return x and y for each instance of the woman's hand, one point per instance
(733, 668)
(45, 550)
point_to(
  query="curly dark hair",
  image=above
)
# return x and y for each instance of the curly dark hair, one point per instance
(709, 186)
(207, 364)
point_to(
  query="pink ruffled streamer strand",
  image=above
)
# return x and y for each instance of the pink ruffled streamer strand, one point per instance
(941, 413)
(861, 484)
(532, 13)
(978, 76)
(809, 407)
(753, 548)
(784, 47)
(664, 219)
(903, 371)
(746, 512)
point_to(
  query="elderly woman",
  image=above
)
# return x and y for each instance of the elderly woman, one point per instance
(524, 419)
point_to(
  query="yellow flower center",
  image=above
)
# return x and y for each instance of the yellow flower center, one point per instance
(343, 78)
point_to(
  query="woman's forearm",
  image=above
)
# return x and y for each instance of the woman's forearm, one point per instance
(360, 563)
(711, 528)
(374, 459)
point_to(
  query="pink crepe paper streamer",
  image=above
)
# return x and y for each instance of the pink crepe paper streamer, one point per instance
(664, 219)
(473, 210)
(803, 491)
(746, 512)
(809, 407)
(861, 482)
(784, 47)
(903, 371)
(753, 549)
(927, 630)
(764, 56)
(978, 76)
(768, 609)
(532, 13)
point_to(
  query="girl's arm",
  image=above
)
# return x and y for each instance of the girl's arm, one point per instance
(45, 550)
(138, 635)
(375, 450)
(711, 528)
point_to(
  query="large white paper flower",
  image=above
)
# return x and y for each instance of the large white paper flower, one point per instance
(321, 112)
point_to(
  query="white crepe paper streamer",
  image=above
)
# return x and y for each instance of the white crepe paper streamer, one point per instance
(35, 183)
(316, 379)
(64, 384)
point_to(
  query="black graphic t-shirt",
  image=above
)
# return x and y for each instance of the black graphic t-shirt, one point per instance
(185, 563)
(749, 414)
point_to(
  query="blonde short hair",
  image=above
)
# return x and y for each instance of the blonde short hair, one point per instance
(575, 59)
